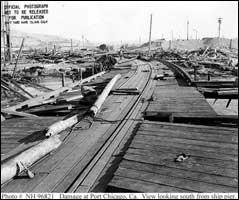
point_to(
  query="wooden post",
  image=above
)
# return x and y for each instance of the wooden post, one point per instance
(71, 47)
(54, 49)
(18, 56)
(63, 79)
(72, 78)
(187, 30)
(208, 75)
(195, 72)
(2, 118)
(93, 69)
(101, 98)
(150, 29)
(83, 41)
(230, 44)
(80, 73)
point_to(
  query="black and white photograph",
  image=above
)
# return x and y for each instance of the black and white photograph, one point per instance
(119, 99)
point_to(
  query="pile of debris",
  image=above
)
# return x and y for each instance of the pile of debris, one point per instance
(206, 61)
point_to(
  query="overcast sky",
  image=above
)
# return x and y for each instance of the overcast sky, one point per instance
(129, 20)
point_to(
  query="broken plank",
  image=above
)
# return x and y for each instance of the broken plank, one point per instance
(174, 182)
(40, 99)
(21, 114)
(124, 184)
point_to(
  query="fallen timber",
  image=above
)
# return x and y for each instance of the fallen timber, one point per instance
(190, 82)
(16, 113)
(40, 99)
(62, 125)
(219, 93)
(216, 84)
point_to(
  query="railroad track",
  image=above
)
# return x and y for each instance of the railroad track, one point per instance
(179, 71)
(90, 163)
(87, 178)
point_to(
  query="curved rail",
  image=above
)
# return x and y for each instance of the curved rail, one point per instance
(179, 71)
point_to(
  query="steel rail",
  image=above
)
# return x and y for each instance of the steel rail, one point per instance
(88, 168)
(178, 70)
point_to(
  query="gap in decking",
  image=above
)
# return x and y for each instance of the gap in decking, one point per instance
(168, 117)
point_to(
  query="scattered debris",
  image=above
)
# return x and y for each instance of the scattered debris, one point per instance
(181, 157)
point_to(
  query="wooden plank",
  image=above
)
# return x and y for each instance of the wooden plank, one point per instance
(180, 173)
(49, 108)
(39, 99)
(23, 183)
(192, 128)
(190, 131)
(180, 108)
(10, 136)
(211, 129)
(182, 103)
(170, 156)
(188, 146)
(187, 135)
(176, 150)
(176, 182)
(20, 130)
(28, 122)
(188, 115)
(21, 114)
(19, 148)
(119, 184)
(185, 166)
(189, 141)
(9, 145)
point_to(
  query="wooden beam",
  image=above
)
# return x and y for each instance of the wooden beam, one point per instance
(39, 100)
(20, 114)
(18, 56)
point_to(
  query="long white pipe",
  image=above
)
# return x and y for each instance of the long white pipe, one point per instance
(61, 125)
(16, 165)
(101, 98)
(64, 124)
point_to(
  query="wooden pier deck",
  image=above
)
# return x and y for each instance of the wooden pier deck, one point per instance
(58, 171)
(184, 102)
(149, 166)
(145, 151)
